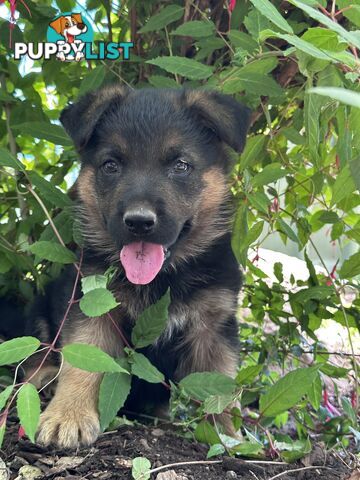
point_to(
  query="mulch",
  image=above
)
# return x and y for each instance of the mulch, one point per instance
(110, 458)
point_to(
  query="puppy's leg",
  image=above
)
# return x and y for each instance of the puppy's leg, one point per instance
(211, 341)
(71, 419)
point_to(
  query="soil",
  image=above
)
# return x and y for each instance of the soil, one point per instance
(110, 458)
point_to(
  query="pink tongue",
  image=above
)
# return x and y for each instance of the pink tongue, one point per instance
(142, 261)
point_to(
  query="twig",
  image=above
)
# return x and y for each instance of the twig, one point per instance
(182, 464)
(171, 53)
(41, 203)
(298, 470)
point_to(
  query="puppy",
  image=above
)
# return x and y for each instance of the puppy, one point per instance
(69, 26)
(153, 200)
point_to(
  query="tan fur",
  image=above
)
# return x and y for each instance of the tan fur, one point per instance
(42, 377)
(209, 222)
(205, 315)
(71, 419)
(89, 213)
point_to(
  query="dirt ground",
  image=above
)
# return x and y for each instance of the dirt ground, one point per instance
(110, 458)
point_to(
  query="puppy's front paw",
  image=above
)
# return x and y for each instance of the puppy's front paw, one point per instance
(67, 427)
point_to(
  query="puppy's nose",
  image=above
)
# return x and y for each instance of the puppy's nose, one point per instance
(140, 221)
(81, 26)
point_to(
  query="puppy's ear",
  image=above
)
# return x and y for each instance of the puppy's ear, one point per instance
(228, 118)
(57, 25)
(81, 118)
(77, 17)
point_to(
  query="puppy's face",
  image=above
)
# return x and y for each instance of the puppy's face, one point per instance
(153, 173)
(69, 24)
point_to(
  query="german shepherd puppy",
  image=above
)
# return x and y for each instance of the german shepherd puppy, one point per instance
(153, 199)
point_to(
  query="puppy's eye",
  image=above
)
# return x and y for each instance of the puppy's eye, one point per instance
(181, 167)
(110, 167)
(67, 24)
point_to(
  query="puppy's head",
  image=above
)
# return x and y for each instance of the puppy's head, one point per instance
(72, 24)
(153, 180)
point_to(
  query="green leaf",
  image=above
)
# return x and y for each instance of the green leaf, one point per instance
(195, 29)
(315, 393)
(202, 385)
(256, 23)
(255, 146)
(63, 222)
(349, 97)
(140, 468)
(312, 110)
(355, 171)
(333, 371)
(2, 433)
(287, 230)
(272, 14)
(143, 368)
(328, 217)
(287, 391)
(215, 450)
(45, 131)
(93, 79)
(239, 231)
(28, 409)
(17, 349)
(216, 404)
(160, 81)
(313, 280)
(5, 264)
(49, 191)
(54, 252)
(294, 450)
(301, 45)
(90, 358)
(293, 135)
(92, 282)
(320, 292)
(151, 323)
(349, 36)
(206, 433)
(324, 38)
(242, 40)
(169, 14)
(114, 390)
(248, 449)
(248, 374)
(278, 272)
(351, 267)
(97, 302)
(8, 160)
(260, 201)
(186, 67)
(349, 410)
(253, 83)
(252, 235)
(4, 396)
(269, 174)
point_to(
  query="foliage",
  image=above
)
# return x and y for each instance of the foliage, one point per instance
(296, 65)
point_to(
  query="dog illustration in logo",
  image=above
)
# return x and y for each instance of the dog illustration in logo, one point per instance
(69, 26)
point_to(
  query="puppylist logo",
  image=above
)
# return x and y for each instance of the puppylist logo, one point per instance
(70, 38)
